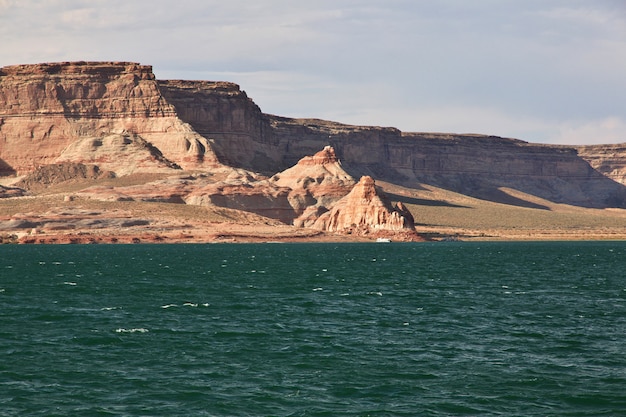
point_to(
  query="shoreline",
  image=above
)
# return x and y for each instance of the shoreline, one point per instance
(238, 234)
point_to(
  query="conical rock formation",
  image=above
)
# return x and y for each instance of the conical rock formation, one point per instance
(365, 210)
(317, 182)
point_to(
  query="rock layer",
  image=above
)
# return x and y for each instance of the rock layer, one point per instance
(49, 112)
(45, 108)
(609, 160)
(476, 165)
(47, 175)
(316, 183)
(364, 210)
(8, 192)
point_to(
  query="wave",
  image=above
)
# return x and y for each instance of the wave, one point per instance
(185, 304)
(135, 330)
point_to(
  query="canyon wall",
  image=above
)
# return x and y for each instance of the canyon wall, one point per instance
(44, 108)
(84, 112)
(477, 165)
(609, 160)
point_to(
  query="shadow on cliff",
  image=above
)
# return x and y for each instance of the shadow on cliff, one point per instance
(498, 196)
(575, 182)
(422, 201)
(6, 169)
(589, 190)
(477, 166)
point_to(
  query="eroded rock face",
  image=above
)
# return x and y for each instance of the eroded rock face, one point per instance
(49, 112)
(295, 196)
(471, 164)
(609, 160)
(475, 165)
(8, 192)
(240, 134)
(122, 154)
(364, 210)
(316, 182)
(45, 108)
(70, 219)
(58, 173)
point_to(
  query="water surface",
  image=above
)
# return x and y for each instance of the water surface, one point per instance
(419, 329)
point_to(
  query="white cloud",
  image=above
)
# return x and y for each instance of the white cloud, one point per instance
(607, 130)
(537, 70)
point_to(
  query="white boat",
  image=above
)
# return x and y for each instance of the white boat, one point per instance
(383, 240)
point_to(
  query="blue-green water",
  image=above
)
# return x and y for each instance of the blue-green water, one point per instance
(428, 329)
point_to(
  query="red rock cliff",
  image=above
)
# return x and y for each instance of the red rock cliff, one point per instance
(46, 107)
(364, 210)
(54, 112)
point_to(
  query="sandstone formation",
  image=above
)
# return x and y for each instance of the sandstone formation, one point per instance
(316, 183)
(316, 192)
(258, 197)
(240, 190)
(476, 165)
(121, 153)
(365, 210)
(46, 108)
(47, 175)
(311, 186)
(240, 134)
(7, 192)
(608, 160)
(212, 146)
(70, 220)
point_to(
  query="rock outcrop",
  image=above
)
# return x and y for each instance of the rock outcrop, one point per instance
(316, 193)
(240, 133)
(475, 165)
(365, 210)
(8, 192)
(47, 175)
(241, 191)
(74, 219)
(312, 186)
(46, 108)
(608, 160)
(121, 153)
(117, 116)
(316, 182)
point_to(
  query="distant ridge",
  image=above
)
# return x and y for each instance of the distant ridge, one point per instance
(47, 109)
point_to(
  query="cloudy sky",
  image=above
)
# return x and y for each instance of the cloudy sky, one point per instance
(549, 71)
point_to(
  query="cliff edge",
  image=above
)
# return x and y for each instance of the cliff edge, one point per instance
(117, 117)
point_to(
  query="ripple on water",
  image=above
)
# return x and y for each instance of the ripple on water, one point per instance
(426, 329)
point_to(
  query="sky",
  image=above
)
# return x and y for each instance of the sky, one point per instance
(544, 71)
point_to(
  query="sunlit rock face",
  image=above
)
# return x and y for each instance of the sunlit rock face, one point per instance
(117, 116)
(609, 160)
(316, 182)
(46, 108)
(364, 210)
